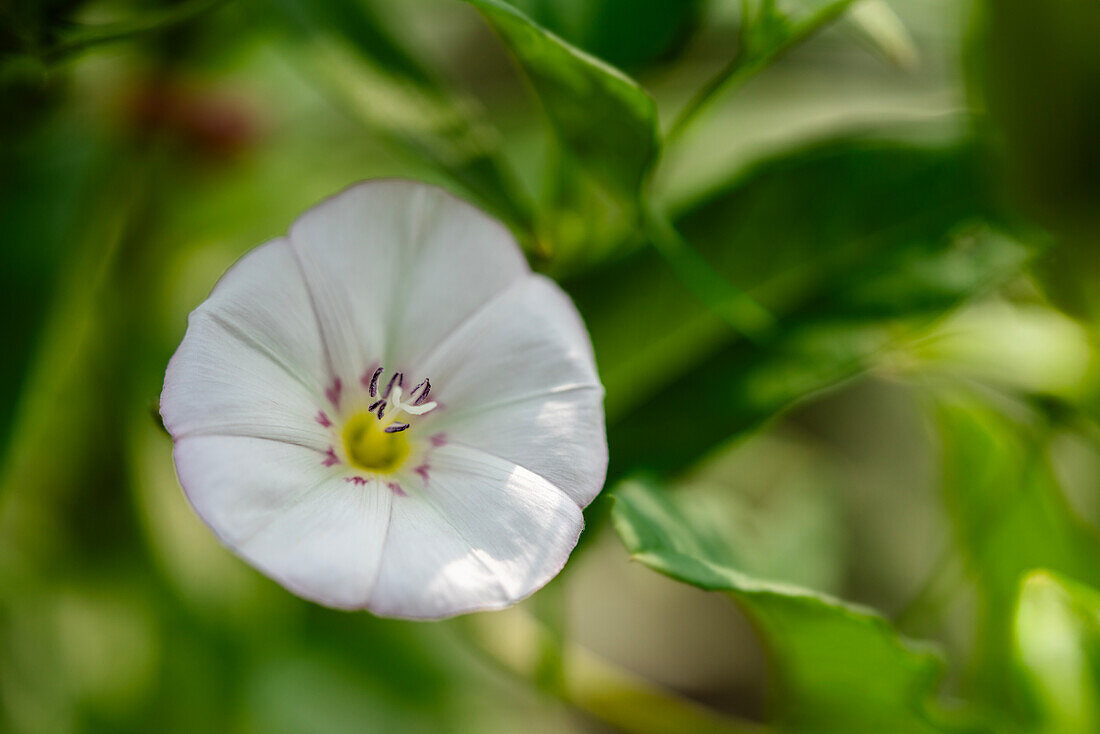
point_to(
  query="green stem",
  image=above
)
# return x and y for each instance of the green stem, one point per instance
(744, 66)
(743, 314)
(513, 640)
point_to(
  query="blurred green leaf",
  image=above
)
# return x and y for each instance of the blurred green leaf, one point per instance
(853, 246)
(768, 29)
(822, 649)
(377, 81)
(1046, 104)
(885, 32)
(1009, 517)
(73, 38)
(620, 699)
(47, 187)
(1057, 629)
(626, 33)
(1045, 108)
(602, 116)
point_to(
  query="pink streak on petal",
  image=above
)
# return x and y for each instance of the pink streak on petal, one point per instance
(396, 489)
(439, 439)
(422, 470)
(355, 480)
(323, 419)
(330, 457)
(333, 393)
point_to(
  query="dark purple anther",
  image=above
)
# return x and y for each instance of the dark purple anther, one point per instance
(424, 395)
(374, 382)
(375, 404)
(398, 379)
(396, 428)
(381, 408)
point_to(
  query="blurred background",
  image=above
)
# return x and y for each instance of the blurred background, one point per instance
(839, 264)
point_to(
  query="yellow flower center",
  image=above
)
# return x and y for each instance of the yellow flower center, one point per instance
(369, 447)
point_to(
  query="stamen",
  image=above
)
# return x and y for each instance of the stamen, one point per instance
(397, 379)
(374, 382)
(381, 409)
(419, 409)
(396, 428)
(424, 395)
(375, 404)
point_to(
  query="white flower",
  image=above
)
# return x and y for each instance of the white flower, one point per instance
(387, 410)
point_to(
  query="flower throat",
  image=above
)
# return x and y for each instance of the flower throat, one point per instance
(374, 440)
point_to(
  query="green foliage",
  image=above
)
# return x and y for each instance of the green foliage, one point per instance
(768, 27)
(1009, 517)
(767, 30)
(1045, 108)
(602, 116)
(626, 33)
(605, 125)
(822, 649)
(1057, 636)
(872, 251)
(852, 245)
(420, 114)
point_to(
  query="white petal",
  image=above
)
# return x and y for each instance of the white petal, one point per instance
(296, 520)
(481, 533)
(393, 266)
(251, 362)
(559, 436)
(518, 380)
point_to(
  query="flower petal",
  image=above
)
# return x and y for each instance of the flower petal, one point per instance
(251, 361)
(518, 380)
(393, 266)
(559, 436)
(480, 533)
(279, 508)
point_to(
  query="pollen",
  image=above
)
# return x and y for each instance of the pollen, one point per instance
(369, 446)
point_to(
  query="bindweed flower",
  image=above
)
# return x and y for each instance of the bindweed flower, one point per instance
(386, 409)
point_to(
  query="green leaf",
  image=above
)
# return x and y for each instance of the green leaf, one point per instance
(853, 246)
(42, 33)
(1045, 105)
(885, 32)
(768, 29)
(1045, 108)
(376, 80)
(822, 648)
(625, 33)
(602, 116)
(1057, 632)
(1009, 517)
